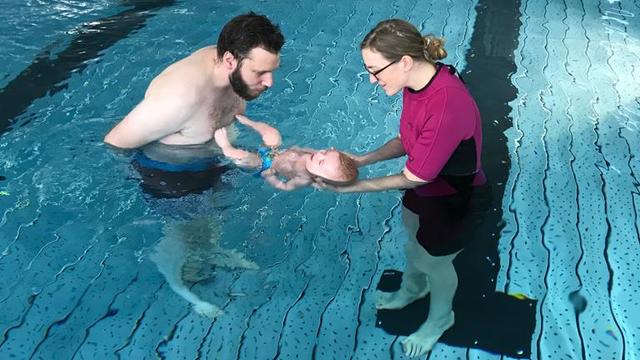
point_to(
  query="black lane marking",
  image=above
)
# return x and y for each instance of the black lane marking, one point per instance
(48, 72)
(490, 65)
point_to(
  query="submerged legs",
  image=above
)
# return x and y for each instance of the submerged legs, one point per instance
(424, 273)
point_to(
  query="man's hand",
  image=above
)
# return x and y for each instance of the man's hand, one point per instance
(240, 157)
(222, 138)
(249, 161)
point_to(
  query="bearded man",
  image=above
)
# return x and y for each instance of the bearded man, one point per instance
(185, 104)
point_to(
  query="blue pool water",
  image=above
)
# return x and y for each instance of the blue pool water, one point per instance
(78, 234)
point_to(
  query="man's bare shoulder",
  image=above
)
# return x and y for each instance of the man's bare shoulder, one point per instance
(184, 77)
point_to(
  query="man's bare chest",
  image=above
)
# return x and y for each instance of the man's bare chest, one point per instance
(211, 117)
(222, 113)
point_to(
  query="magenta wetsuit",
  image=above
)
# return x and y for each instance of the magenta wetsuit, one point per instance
(441, 131)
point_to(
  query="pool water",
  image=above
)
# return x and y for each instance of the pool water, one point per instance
(294, 273)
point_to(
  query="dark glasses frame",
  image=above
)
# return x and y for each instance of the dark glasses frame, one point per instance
(375, 73)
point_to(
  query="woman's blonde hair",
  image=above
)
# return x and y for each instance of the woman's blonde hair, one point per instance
(395, 38)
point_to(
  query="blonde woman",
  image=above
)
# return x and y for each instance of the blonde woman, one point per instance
(440, 133)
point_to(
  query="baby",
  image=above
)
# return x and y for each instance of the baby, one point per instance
(300, 167)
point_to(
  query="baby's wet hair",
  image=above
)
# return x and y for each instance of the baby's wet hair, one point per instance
(349, 169)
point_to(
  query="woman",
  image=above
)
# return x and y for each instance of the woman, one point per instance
(440, 132)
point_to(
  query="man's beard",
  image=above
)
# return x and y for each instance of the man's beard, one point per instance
(240, 87)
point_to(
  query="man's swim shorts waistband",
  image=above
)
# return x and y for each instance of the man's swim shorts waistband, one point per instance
(199, 164)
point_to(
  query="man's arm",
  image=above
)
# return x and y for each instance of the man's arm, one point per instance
(270, 135)
(240, 157)
(391, 150)
(222, 139)
(153, 119)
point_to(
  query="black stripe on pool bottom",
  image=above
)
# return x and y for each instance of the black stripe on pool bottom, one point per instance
(490, 64)
(47, 72)
(485, 319)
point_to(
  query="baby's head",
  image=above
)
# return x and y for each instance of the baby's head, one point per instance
(333, 167)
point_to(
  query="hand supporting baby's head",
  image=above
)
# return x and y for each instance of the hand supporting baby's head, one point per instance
(333, 167)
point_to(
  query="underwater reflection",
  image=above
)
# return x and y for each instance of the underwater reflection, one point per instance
(189, 252)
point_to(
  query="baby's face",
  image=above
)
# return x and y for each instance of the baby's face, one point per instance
(326, 163)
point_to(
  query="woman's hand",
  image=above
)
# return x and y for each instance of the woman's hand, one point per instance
(360, 160)
(391, 150)
(389, 182)
(321, 185)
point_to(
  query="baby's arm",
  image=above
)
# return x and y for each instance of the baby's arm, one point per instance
(270, 135)
(238, 156)
(273, 180)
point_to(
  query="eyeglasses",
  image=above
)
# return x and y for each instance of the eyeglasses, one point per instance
(375, 73)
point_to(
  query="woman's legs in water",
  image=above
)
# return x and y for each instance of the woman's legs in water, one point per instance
(414, 280)
(428, 273)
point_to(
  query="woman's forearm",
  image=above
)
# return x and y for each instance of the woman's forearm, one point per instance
(391, 150)
(390, 182)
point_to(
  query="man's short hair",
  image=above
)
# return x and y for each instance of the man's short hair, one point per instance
(245, 32)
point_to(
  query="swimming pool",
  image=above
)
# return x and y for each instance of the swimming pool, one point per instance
(558, 86)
